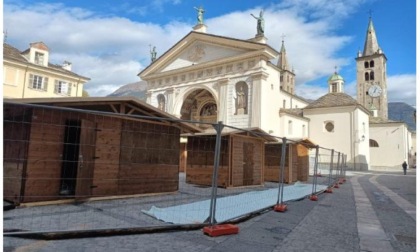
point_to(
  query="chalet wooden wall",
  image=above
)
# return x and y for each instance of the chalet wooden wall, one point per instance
(128, 157)
(200, 160)
(16, 128)
(241, 160)
(107, 156)
(303, 162)
(247, 160)
(149, 158)
(272, 160)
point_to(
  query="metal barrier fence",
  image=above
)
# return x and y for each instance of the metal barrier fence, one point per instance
(73, 172)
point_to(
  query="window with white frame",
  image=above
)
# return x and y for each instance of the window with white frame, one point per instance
(39, 58)
(38, 82)
(62, 87)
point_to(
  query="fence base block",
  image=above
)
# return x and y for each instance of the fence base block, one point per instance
(280, 208)
(218, 230)
(329, 190)
(336, 185)
(313, 197)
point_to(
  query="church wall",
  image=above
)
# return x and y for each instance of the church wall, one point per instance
(298, 129)
(393, 146)
(340, 138)
(270, 102)
(361, 140)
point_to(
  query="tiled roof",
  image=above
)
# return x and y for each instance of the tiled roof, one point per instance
(11, 53)
(293, 111)
(374, 120)
(333, 100)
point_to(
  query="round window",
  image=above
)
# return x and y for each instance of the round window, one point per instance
(329, 126)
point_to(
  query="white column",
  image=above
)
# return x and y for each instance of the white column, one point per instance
(223, 100)
(257, 81)
(170, 104)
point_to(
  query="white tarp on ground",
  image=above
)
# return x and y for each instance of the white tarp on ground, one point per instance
(230, 207)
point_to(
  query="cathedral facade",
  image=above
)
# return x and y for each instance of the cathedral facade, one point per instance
(209, 78)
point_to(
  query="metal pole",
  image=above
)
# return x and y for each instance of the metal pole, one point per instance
(338, 165)
(218, 127)
(281, 181)
(331, 167)
(315, 170)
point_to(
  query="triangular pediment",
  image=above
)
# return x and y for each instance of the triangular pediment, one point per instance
(201, 52)
(202, 49)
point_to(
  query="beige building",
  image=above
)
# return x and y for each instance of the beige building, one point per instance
(29, 74)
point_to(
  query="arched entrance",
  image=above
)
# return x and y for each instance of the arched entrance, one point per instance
(201, 106)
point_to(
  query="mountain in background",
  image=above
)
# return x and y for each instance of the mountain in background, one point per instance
(397, 111)
(136, 89)
(402, 112)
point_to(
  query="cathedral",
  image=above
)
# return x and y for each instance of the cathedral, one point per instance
(246, 83)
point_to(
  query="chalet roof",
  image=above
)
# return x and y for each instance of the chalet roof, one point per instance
(113, 106)
(12, 53)
(255, 132)
(305, 141)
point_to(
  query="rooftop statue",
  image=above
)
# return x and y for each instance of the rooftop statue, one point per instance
(260, 23)
(200, 12)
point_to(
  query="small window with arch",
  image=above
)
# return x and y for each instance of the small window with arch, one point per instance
(372, 75)
(372, 63)
(366, 76)
(366, 64)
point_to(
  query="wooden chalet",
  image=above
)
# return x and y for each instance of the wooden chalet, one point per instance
(296, 160)
(78, 148)
(241, 158)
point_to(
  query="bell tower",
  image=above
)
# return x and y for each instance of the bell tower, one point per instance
(371, 75)
(287, 76)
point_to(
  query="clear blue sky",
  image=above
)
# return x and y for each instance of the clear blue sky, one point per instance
(108, 41)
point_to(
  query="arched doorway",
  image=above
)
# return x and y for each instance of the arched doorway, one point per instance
(200, 105)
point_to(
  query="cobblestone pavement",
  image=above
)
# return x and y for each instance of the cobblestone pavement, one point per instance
(329, 224)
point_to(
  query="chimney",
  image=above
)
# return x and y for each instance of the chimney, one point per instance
(66, 65)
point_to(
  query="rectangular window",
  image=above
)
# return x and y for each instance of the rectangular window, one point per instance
(62, 87)
(290, 127)
(38, 82)
(334, 88)
(39, 58)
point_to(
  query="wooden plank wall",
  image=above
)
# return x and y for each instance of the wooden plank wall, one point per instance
(16, 128)
(107, 156)
(149, 160)
(200, 160)
(303, 163)
(295, 161)
(182, 157)
(256, 158)
(272, 164)
(45, 155)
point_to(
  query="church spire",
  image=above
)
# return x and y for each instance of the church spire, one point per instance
(371, 42)
(282, 63)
